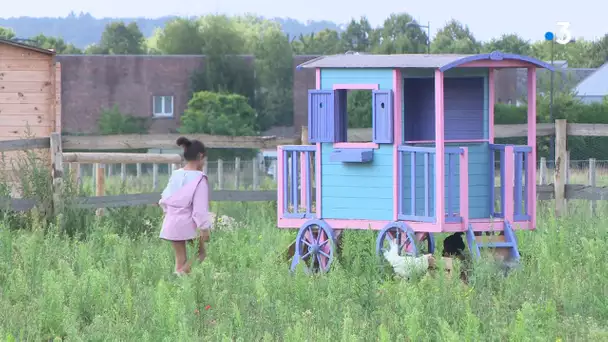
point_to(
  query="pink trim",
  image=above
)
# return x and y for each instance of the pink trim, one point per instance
(496, 64)
(445, 141)
(491, 103)
(464, 188)
(439, 153)
(509, 183)
(318, 78)
(355, 145)
(356, 86)
(397, 137)
(280, 191)
(478, 225)
(303, 178)
(532, 143)
(318, 180)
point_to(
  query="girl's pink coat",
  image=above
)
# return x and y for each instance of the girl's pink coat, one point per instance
(186, 210)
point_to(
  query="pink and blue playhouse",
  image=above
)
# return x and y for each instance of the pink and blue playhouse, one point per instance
(430, 164)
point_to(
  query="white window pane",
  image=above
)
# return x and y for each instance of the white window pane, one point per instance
(168, 105)
(158, 104)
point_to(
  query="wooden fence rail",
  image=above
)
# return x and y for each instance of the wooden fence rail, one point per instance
(558, 189)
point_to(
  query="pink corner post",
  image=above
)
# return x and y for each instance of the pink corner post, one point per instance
(464, 187)
(318, 160)
(532, 143)
(439, 152)
(397, 108)
(509, 184)
(491, 103)
(280, 183)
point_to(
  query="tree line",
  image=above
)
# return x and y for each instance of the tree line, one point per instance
(256, 98)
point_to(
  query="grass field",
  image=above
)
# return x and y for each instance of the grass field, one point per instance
(115, 282)
(110, 278)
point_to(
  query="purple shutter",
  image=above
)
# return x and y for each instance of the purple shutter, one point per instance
(382, 116)
(321, 116)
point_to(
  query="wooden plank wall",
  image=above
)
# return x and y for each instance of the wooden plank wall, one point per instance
(28, 95)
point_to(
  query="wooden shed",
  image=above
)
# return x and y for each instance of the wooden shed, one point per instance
(30, 94)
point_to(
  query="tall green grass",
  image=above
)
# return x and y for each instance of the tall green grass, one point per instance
(116, 283)
(110, 278)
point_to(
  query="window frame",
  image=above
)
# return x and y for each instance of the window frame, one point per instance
(371, 87)
(163, 114)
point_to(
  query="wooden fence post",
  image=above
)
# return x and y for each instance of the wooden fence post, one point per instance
(543, 171)
(123, 172)
(237, 172)
(57, 172)
(100, 183)
(206, 166)
(110, 170)
(559, 182)
(256, 166)
(220, 174)
(138, 170)
(154, 176)
(592, 183)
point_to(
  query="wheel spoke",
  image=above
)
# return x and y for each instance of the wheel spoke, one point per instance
(322, 244)
(306, 243)
(306, 255)
(324, 254)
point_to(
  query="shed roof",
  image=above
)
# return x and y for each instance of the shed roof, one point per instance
(27, 47)
(595, 84)
(436, 61)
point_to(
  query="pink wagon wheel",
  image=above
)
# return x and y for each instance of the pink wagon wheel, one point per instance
(315, 247)
(406, 239)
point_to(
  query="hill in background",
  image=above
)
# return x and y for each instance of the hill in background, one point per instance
(84, 29)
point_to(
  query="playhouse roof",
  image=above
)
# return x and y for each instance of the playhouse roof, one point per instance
(440, 61)
(26, 46)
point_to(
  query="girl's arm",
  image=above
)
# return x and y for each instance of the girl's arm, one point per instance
(200, 205)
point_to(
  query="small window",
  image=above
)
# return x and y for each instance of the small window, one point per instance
(163, 106)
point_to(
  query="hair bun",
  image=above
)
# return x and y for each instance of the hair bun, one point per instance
(183, 142)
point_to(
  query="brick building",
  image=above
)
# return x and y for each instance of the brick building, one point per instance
(157, 87)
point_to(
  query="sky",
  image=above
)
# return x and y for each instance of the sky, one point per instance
(528, 18)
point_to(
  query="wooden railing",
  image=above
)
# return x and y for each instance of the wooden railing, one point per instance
(296, 176)
(410, 180)
(556, 188)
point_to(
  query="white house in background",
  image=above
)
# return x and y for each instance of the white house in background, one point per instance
(595, 87)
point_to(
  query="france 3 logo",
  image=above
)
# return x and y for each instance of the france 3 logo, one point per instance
(563, 35)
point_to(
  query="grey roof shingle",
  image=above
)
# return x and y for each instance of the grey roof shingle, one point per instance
(382, 61)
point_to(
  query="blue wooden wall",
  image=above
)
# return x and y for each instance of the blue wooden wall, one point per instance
(353, 190)
(479, 154)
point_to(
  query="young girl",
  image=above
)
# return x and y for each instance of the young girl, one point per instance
(185, 203)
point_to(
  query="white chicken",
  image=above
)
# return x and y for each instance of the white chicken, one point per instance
(406, 266)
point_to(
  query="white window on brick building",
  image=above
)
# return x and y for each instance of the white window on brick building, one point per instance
(162, 106)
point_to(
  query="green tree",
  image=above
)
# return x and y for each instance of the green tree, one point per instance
(357, 36)
(113, 121)
(180, 36)
(120, 39)
(598, 54)
(220, 114)
(455, 37)
(274, 78)
(225, 69)
(57, 44)
(6, 33)
(509, 43)
(400, 34)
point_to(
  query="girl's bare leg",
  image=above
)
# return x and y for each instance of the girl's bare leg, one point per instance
(202, 254)
(180, 256)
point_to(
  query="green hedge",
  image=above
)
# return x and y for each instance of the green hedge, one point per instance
(564, 107)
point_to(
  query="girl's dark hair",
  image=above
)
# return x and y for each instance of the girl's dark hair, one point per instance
(192, 148)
